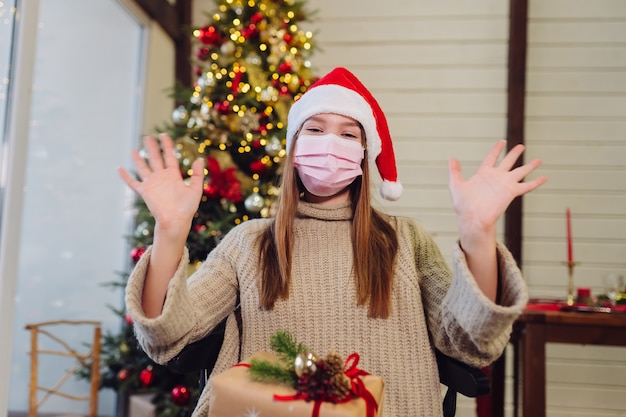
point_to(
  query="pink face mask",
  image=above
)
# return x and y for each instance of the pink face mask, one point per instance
(327, 164)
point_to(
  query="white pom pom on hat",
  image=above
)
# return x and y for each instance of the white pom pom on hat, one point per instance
(341, 92)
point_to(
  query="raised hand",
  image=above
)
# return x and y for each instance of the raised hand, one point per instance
(483, 198)
(480, 200)
(172, 201)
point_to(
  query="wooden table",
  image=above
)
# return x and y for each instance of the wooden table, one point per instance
(534, 329)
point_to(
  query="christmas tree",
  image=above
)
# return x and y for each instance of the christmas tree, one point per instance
(250, 63)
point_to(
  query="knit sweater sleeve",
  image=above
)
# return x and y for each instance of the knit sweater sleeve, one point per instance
(479, 327)
(211, 290)
(462, 321)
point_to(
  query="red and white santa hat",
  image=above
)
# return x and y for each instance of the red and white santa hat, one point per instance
(341, 92)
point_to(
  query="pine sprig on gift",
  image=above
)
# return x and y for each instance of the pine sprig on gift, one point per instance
(268, 372)
(285, 346)
(283, 371)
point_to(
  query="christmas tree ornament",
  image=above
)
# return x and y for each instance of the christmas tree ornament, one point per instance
(254, 202)
(258, 167)
(135, 253)
(123, 374)
(180, 115)
(305, 364)
(205, 80)
(228, 48)
(186, 150)
(146, 376)
(143, 229)
(195, 98)
(209, 35)
(180, 395)
(202, 54)
(274, 146)
(205, 111)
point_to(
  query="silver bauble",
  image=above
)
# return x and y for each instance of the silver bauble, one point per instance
(180, 115)
(205, 110)
(195, 99)
(254, 203)
(274, 146)
(305, 364)
(206, 80)
(227, 48)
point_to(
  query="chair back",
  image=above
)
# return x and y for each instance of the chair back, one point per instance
(89, 360)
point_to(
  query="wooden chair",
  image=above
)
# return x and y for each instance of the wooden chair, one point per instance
(458, 377)
(91, 360)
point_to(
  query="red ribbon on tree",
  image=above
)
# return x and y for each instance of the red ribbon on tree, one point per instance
(222, 184)
(357, 390)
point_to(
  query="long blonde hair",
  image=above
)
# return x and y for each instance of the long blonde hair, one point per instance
(374, 244)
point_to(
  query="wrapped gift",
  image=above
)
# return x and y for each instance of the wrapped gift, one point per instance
(236, 394)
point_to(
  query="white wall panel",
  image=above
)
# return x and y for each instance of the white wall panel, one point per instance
(576, 121)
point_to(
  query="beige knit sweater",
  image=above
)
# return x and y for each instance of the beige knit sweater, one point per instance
(431, 306)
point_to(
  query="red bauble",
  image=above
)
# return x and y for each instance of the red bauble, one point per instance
(122, 374)
(256, 144)
(284, 68)
(128, 319)
(284, 90)
(135, 253)
(257, 167)
(222, 107)
(288, 37)
(256, 18)
(202, 53)
(180, 395)
(209, 35)
(250, 32)
(146, 376)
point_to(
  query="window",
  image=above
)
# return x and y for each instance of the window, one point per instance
(84, 117)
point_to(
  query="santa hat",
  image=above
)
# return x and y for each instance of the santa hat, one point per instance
(341, 92)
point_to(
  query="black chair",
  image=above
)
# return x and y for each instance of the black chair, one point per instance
(458, 377)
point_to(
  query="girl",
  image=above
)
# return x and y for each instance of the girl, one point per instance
(329, 268)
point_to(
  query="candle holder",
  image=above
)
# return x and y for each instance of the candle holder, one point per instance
(570, 282)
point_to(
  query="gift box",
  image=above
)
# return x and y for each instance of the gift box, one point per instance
(235, 394)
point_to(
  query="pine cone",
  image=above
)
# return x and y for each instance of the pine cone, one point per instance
(340, 383)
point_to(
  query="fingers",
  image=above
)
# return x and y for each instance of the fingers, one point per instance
(140, 163)
(511, 157)
(454, 171)
(532, 184)
(155, 160)
(522, 171)
(197, 176)
(128, 179)
(492, 157)
(169, 157)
